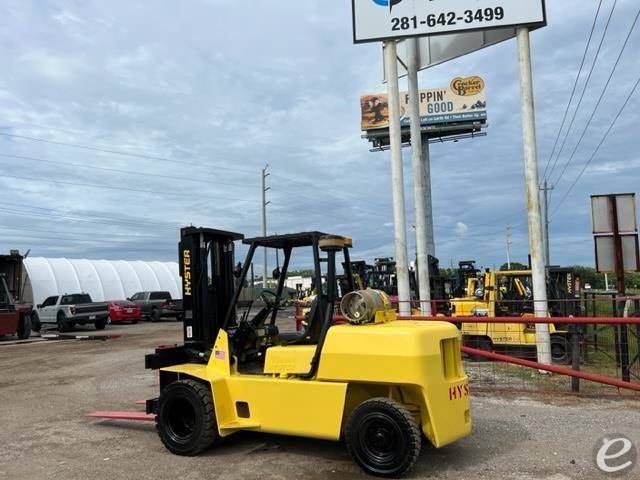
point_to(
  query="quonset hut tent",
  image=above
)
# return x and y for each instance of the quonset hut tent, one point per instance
(102, 279)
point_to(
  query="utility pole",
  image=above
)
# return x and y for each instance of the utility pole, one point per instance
(532, 180)
(507, 243)
(397, 179)
(264, 223)
(546, 189)
(421, 188)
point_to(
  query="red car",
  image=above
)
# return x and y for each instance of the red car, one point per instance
(123, 311)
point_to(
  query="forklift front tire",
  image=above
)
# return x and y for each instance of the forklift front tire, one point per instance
(186, 420)
(383, 437)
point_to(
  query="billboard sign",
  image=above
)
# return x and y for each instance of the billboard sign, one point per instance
(379, 20)
(464, 100)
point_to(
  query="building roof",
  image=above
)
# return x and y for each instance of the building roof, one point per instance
(102, 279)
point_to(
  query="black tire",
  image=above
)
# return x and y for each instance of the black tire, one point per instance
(179, 318)
(63, 325)
(155, 315)
(479, 343)
(36, 326)
(24, 328)
(101, 324)
(133, 322)
(186, 420)
(560, 350)
(383, 437)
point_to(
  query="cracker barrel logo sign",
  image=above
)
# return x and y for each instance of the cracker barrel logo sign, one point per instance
(467, 87)
(464, 100)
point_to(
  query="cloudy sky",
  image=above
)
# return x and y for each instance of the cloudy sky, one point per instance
(122, 121)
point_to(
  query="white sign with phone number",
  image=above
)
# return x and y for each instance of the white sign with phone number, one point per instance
(378, 20)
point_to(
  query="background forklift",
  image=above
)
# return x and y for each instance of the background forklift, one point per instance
(510, 294)
(378, 384)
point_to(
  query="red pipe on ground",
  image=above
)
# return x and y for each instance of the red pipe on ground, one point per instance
(592, 377)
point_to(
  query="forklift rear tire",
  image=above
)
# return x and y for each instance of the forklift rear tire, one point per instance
(383, 437)
(186, 420)
(479, 343)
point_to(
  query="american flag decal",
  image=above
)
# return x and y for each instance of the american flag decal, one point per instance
(219, 354)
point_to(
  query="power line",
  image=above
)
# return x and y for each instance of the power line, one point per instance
(116, 170)
(111, 187)
(573, 91)
(604, 91)
(584, 89)
(119, 152)
(53, 213)
(604, 138)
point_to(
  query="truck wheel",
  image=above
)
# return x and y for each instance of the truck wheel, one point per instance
(100, 324)
(36, 326)
(383, 437)
(24, 329)
(63, 325)
(560, 350)
(186, 420)
(155, 315)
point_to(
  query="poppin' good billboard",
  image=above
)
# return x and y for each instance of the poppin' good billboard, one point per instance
(464, 100)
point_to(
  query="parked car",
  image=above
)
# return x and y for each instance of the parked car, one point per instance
(67, 311)
(13, 320)
(158, 305)
(123, 311)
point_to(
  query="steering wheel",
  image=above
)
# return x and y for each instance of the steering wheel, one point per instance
(270, 298)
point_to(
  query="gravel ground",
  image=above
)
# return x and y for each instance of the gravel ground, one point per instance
(46, 388)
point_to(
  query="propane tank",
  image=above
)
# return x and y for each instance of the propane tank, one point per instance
(361, 306)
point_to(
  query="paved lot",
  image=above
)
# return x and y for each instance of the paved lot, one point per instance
(47, 387)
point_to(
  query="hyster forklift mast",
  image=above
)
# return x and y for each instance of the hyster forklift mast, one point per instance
(206, 267)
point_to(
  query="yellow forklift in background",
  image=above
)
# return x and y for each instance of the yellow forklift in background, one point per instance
(375, 382)
(510, 294)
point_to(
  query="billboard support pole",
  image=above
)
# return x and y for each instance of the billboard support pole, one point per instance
(397, 179)
(421, 192)
(623, 346)
(532, 180)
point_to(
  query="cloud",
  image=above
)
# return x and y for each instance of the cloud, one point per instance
(461, 229)
(205, 104)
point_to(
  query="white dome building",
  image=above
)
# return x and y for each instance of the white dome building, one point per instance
(102, 279)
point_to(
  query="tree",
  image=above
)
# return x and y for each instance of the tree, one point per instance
(514, 266)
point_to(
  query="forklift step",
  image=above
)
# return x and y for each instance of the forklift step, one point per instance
(239, 425)
(132, 416)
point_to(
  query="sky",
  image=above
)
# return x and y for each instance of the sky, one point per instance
(122, 121)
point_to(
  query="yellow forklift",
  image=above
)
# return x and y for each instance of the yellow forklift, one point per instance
(510, 294)
(375, 382)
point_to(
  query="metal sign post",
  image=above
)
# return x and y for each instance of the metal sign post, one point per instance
(397, 181)
(532, 180)
(420, 192)
(616, 240)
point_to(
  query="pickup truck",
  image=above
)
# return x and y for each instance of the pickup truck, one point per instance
(13, 320)
(158, 305)
(67, 311)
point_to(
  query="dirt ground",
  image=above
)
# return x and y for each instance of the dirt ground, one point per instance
(46, 388)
